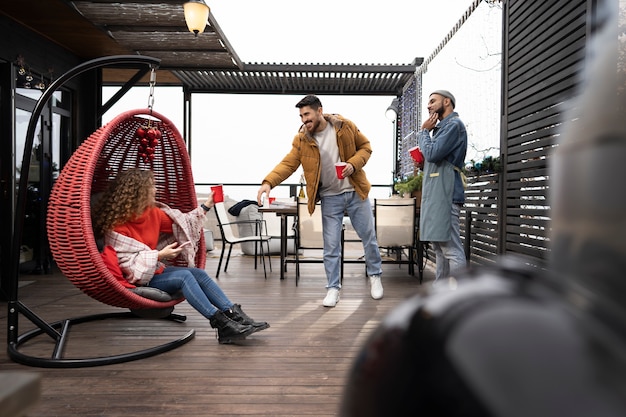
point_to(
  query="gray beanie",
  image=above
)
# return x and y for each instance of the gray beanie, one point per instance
(446, 94)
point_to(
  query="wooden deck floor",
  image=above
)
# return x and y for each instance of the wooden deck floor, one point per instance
(295, 368)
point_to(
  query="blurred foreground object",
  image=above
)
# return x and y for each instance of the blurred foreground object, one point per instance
(515, 342)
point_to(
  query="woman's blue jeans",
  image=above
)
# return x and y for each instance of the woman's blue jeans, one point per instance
(197, 286)
(360, 213)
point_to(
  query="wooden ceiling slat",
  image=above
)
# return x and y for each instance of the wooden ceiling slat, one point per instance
(157, 28)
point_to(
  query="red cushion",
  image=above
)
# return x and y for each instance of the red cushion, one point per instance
(109, 256)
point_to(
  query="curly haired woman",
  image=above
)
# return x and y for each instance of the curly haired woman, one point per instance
(145, 234)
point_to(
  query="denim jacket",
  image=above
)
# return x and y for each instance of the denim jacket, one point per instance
(449, 142)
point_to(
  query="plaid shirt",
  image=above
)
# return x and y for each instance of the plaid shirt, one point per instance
(139, 263)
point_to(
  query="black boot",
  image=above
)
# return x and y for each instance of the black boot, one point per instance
(237, 314)
(228, 329)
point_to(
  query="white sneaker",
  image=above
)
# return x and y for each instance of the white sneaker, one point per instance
(376, 287)
(332, 298)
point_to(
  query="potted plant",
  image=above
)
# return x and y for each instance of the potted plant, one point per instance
(489, 165)
(411, 186)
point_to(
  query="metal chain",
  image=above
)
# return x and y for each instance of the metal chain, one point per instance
(152, 84)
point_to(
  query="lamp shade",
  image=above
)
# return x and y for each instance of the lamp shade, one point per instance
(196, 15)
(392, 111)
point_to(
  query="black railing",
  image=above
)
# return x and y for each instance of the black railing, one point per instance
(246, 190)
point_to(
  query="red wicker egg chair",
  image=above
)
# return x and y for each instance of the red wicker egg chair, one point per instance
(111, 149)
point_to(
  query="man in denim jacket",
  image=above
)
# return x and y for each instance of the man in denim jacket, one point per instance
(443, 191)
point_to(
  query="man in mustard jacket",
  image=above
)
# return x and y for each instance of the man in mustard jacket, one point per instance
(322, 141)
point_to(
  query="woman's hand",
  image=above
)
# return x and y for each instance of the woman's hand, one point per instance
(209, 201)
(170, 251)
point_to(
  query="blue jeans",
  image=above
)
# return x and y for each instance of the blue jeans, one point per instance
(197, 286)
(450, 255)
(360, 213)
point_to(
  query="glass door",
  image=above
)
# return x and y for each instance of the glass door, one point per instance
(42, 171)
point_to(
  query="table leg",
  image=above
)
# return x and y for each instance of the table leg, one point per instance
(283, 245)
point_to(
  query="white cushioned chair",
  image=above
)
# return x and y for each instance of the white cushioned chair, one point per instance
(254, 237)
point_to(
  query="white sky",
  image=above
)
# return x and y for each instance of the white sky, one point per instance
(336, 31)
(239, 138)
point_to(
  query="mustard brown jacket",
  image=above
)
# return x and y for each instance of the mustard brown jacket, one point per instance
(354, 148)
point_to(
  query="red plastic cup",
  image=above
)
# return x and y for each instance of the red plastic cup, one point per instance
(339, 166)
(416, 154)
(218, 193)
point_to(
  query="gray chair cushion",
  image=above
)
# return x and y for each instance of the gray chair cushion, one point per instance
(153, 294)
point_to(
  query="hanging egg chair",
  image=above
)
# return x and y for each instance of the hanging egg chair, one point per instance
(123, 143)
(113, 148)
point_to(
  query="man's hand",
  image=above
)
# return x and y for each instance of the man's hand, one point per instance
(265, 188)
(347, 170)
(431, 122)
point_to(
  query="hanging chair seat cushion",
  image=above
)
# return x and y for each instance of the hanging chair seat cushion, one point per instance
(155, 294)
(114, 148)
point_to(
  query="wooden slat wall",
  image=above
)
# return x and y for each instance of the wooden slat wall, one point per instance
(544, 51)
(479, 219)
